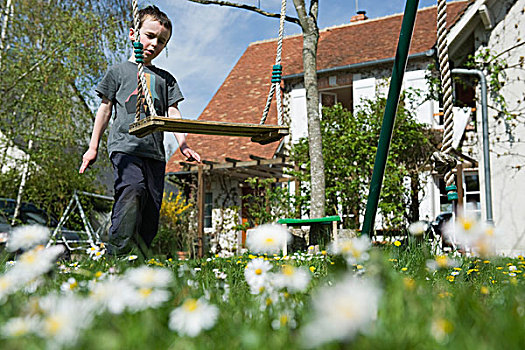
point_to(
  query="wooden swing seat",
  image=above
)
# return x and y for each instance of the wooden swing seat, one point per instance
(262, 134)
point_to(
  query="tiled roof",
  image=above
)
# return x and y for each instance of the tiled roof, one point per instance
(242, 96)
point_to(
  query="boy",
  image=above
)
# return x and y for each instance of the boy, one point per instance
(138, 163)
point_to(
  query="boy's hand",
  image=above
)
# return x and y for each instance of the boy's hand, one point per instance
(89, 158)
(191, 155)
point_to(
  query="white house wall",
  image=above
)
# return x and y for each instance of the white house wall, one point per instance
(363, 89)
(428, 198)
(299, 120)
(225, 192)
(507, 147)
(416, 81)
(11, 155)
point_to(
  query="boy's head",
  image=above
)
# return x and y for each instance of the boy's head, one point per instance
(152, 12)
(155, 32)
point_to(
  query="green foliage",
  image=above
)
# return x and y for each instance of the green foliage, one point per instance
(177, 230)
(349, 148)
(56, 52)
(268, 202)
(494, 66)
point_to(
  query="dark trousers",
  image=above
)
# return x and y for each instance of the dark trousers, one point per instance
(139, 186)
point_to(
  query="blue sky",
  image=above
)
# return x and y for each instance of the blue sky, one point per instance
(208, 40)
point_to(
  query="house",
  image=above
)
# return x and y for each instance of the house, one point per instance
(11, 154)
(353, 61)
(493, 26)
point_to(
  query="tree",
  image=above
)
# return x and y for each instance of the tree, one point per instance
(349, 143)
(308, 23)
(54, 53)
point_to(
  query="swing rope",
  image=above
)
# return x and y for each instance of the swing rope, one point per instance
(142, 87)
(262, 134)
(446, 81)
(276, 73)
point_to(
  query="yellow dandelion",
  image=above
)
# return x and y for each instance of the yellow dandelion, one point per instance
(409, 283)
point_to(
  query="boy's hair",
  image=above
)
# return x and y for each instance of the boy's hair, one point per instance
(156, 14)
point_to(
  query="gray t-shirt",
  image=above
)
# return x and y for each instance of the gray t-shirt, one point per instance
(119, 85)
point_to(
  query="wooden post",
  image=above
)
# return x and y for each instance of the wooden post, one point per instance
(297, 192)
(334, 230)
(459, 182)
(285, 245)
(200, 208)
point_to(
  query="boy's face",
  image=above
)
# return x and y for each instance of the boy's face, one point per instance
(154, 36)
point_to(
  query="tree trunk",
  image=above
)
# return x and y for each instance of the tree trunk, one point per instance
(25, 173)
(308, 23)
(310, 40)
(8, 12)
(414, 198)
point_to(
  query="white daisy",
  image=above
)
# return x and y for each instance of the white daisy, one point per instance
(20, 326)
(26, 237)
(144, 298)
(149, 277)
(441, 262)
(354, 250)
(485, 244)
(256, 274)
(113, 295)
(418, 228)
(69, 286)
(63, 318)
(8, 285)
(267, 238)
(220, 274)
(341, 311)
(294, 279)
(464, 231)
(36, 262)
(192, 317)
(96, 252)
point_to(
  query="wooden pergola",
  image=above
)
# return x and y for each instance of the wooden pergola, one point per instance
(255, 167)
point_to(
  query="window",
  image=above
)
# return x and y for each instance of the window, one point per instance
(472, 196)
(208, 206)
(328, 99)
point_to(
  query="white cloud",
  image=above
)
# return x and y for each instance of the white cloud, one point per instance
(202, 50)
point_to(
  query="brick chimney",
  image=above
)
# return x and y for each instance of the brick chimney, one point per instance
(361, 16)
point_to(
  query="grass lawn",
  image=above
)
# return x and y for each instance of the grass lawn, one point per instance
(392, 297)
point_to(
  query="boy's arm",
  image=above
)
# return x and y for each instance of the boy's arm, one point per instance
(173, 112)
(101, 123)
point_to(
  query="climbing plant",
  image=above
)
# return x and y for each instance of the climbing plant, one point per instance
(350, 143)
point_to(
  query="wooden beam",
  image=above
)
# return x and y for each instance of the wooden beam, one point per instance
(255, 173)
(254, 157)
(243, 164)
(459, 183)
(232, 160)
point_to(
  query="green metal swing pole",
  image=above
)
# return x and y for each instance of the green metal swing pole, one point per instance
(398, 72)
